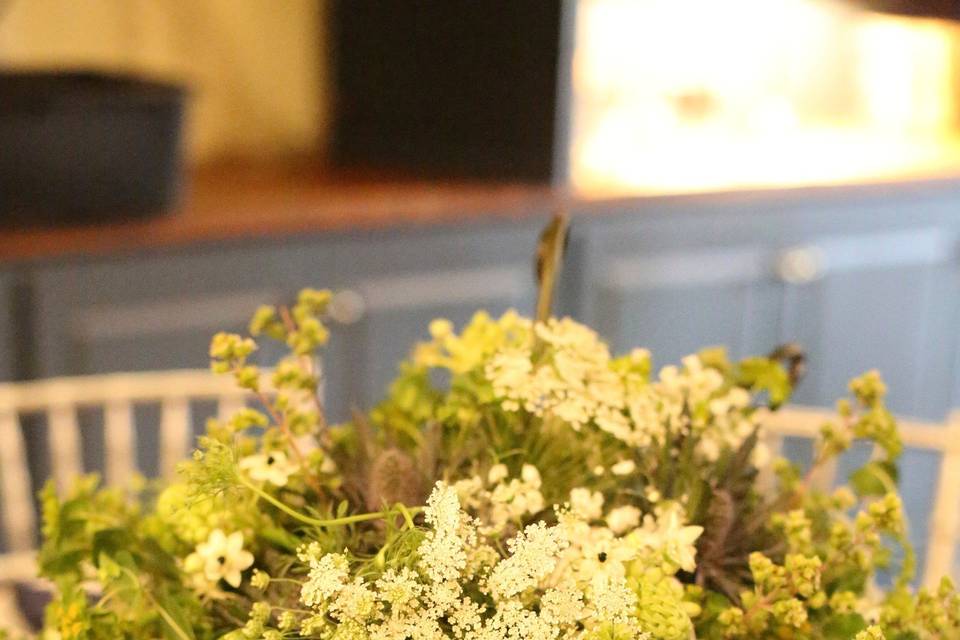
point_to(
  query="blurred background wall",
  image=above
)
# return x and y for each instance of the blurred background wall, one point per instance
(256, 69)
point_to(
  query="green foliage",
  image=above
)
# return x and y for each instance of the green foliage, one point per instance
(519, 416)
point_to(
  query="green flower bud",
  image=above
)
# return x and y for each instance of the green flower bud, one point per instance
(790, 612)
(260, 579)
(660, 610)
(870, 633)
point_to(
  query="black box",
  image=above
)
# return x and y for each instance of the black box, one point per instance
(86, 147)
(449, 88)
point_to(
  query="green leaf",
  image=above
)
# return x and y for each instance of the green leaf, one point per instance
(852, 579)
(715, 358)
(763, 374)
(110, 541)
(176, 624)
(109, 570)
(64, 562)
(843, 626)
(876, 478)
(152, 557)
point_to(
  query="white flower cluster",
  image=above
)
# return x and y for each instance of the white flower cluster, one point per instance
(571, 379)
(661, 540)
(565, 371)
(720, 421)
(502, 500)
(533, 593)
(666, 541)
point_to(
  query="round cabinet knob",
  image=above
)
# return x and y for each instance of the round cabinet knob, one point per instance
(800, 265)
(347, 306)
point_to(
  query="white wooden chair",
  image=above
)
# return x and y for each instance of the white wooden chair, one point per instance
(117, 394)
(59, 400)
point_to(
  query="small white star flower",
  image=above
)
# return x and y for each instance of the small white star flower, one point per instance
(586, 504)
(623, 468)
(272, 467)
(220, 557)
(530, 475)
(497, 473)
(623, 519)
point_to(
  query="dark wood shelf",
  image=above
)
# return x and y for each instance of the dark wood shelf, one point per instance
(236, 203)
(231, 203)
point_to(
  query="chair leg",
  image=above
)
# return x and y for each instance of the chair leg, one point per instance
(11, 618)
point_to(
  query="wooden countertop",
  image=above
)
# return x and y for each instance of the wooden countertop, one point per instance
(233, 204)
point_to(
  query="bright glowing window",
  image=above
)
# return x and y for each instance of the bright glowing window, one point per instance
(699, 95)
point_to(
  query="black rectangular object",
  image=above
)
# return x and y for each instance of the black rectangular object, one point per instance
(455, 88)
(85, 147)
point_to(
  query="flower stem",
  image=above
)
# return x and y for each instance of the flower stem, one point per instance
(332, 522)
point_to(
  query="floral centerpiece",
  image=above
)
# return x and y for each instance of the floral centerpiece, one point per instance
(519, 481)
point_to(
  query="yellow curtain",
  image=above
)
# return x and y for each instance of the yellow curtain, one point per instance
(255, 68)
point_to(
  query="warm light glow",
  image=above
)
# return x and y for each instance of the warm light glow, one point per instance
(695, 95)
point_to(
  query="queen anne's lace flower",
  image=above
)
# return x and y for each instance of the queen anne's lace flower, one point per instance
(443, 554)
(574, 382)
(328, 574)
(507, 500)
(429, 602)
(611, 600)
(533, 555)
(571, 376)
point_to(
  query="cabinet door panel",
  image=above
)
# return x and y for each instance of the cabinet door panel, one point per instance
(145, 313)
(679, 302)
(148, 313)
(169, 333)
(400, 309)
(886, 302)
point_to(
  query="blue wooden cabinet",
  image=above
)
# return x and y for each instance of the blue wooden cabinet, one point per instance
(861, 282)
(861, 279)
(885, 300)
(868, 280)
(159, 311)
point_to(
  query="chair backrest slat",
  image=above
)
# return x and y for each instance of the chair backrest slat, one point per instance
(63, 437)
(774, 444)
(17, 517)
(945, 519)
(176, 434)
(229, 405)
(61, 399)
(119, 441)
